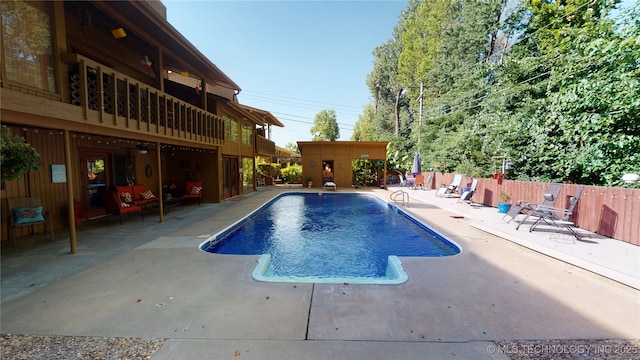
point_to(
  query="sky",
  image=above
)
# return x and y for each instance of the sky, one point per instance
(292, 58)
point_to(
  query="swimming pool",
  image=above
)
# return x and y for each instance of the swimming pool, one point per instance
(330, 238)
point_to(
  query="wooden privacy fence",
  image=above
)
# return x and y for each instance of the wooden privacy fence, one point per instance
(609, 211)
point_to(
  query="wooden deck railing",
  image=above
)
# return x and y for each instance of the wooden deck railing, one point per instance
(265, 146)
(610, 211)
(116, 101)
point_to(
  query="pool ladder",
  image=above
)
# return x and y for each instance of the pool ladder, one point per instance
(400, 194)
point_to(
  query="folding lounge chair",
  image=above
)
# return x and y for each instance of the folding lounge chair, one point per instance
(468, 194)
(556, 216)
(453, 187)
(328, 183)
(526, 208)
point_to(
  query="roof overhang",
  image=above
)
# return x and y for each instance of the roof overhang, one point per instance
(266, 116)
(147, 23)
(356, 149)
(240, 109)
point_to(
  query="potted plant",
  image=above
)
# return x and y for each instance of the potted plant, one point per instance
(17, 156)
(504, 205)
(309, 182)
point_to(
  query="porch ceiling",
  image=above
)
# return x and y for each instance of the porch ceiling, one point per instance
(141, 18)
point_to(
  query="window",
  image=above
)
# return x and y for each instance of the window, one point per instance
(247, 134)
(231, 128)
(27, 45)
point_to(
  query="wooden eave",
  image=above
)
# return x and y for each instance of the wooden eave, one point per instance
(146, 23)
(243, 112)
(266, 116)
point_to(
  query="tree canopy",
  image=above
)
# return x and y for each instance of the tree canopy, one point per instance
(554, 86)
(325, 126)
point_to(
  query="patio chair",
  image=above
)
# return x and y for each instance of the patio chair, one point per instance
(115, 206)
(428, 182)
(557, 216)
(468, 194)
(27, 211)
(403, 182)
(419, 183)
(452, 188)
(523, 207)
(408, 181)
(193, 190)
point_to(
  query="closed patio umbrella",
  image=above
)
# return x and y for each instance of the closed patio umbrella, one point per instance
(416, 168)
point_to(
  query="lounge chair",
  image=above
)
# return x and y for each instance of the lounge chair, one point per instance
(523, 207)
(452, 188)
(429, 181)
(328, 183)
(557, 216)
(468, 194)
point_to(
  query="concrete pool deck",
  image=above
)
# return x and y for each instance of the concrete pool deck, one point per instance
(149, 280)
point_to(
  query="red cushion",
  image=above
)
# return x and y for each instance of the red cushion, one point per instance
(121, 189)
(130, 209)
(137, 189)
(189, 186)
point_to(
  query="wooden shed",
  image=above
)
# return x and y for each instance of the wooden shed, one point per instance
(338, 156)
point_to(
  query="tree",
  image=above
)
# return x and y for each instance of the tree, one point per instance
(325, 126)
(292, 147)
(17, 157)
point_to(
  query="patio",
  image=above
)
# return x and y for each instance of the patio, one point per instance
(149, 280)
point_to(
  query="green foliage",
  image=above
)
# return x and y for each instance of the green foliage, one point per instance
(504, 197)
(292, 173)
(325, 126)
(292, 147)
(397, 161)
(554, 86)
(17, 157)
(367, 172)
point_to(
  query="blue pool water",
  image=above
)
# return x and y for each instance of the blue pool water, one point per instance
(330, 236)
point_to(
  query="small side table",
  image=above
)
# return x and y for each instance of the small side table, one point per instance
(169, 202)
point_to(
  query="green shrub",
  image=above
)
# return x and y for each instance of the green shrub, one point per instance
(291, 174)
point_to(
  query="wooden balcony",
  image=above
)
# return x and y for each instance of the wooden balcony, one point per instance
(115, 101)
(264, 146)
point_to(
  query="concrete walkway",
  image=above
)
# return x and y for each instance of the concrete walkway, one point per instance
(149, 280)
(615, 259)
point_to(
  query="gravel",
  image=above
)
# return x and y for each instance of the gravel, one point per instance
(97, 348)
(76, 347)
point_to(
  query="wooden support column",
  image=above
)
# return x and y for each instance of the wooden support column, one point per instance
(161, 195)
(71, 213)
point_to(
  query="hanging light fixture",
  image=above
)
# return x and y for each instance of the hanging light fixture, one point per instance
(118, 33)
(142, 149)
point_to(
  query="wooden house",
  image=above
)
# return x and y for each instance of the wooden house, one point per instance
(110, 93)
